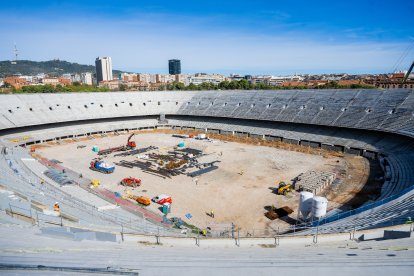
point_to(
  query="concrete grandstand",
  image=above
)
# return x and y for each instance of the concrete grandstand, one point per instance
(376, 124)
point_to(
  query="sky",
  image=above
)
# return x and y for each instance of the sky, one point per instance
(279, 37)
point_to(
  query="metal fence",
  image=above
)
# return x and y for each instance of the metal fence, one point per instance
(44, 220)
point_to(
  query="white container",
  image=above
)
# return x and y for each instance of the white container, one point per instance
(202, 136)
(305, 203)
(319, 206)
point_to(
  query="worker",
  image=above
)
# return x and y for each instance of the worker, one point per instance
(409, 220)
(212, 213)
(241, 172)
(204, 232)
(56, 207)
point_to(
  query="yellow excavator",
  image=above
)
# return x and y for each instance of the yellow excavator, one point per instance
(284, 188)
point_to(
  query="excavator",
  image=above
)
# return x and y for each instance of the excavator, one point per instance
(130, 145)
(284, 188)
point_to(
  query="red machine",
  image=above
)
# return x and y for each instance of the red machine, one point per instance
(161, 199)
(131, 144)
(128, 146)
(130, 181)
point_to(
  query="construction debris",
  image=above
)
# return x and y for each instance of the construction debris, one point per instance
(274, 213)
(174, 165)
(314, 181)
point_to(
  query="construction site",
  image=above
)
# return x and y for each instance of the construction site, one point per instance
(209, 181)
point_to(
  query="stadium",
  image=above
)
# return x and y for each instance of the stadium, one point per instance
(248, 142)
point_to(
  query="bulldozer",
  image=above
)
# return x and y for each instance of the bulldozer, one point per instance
(284, 188)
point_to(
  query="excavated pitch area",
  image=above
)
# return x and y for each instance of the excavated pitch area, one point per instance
(235, 197)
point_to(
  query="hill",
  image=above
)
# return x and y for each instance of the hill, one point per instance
(52, 67)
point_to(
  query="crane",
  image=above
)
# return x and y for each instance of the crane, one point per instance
(408, 74)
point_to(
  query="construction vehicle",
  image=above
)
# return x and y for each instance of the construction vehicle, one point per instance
(161, 199)
(100, 166)
(143, 200)
(95, 183)
(140, 199)
(284, 188)
(130, 145)
(130, 181)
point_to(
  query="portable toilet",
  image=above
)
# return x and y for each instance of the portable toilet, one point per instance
(95, 149)
(166, 208)
(181, 144)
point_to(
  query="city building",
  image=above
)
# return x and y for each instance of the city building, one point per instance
(147, 78)
(199, 78)
(181, 78)
(111, 84)
(86, 78)
(103, 69)
(15, 81)
(164, 78)
(51, 81)
(174, 66)
(63, 81)
(129, 77)
(56, 81)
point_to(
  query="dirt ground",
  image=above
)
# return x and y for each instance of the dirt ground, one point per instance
(235, 197)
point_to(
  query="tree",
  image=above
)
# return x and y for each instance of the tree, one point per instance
(204, 86)
(223, 84)
(192, 86)
(179, 86)
(244, 84)
(123, 87)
